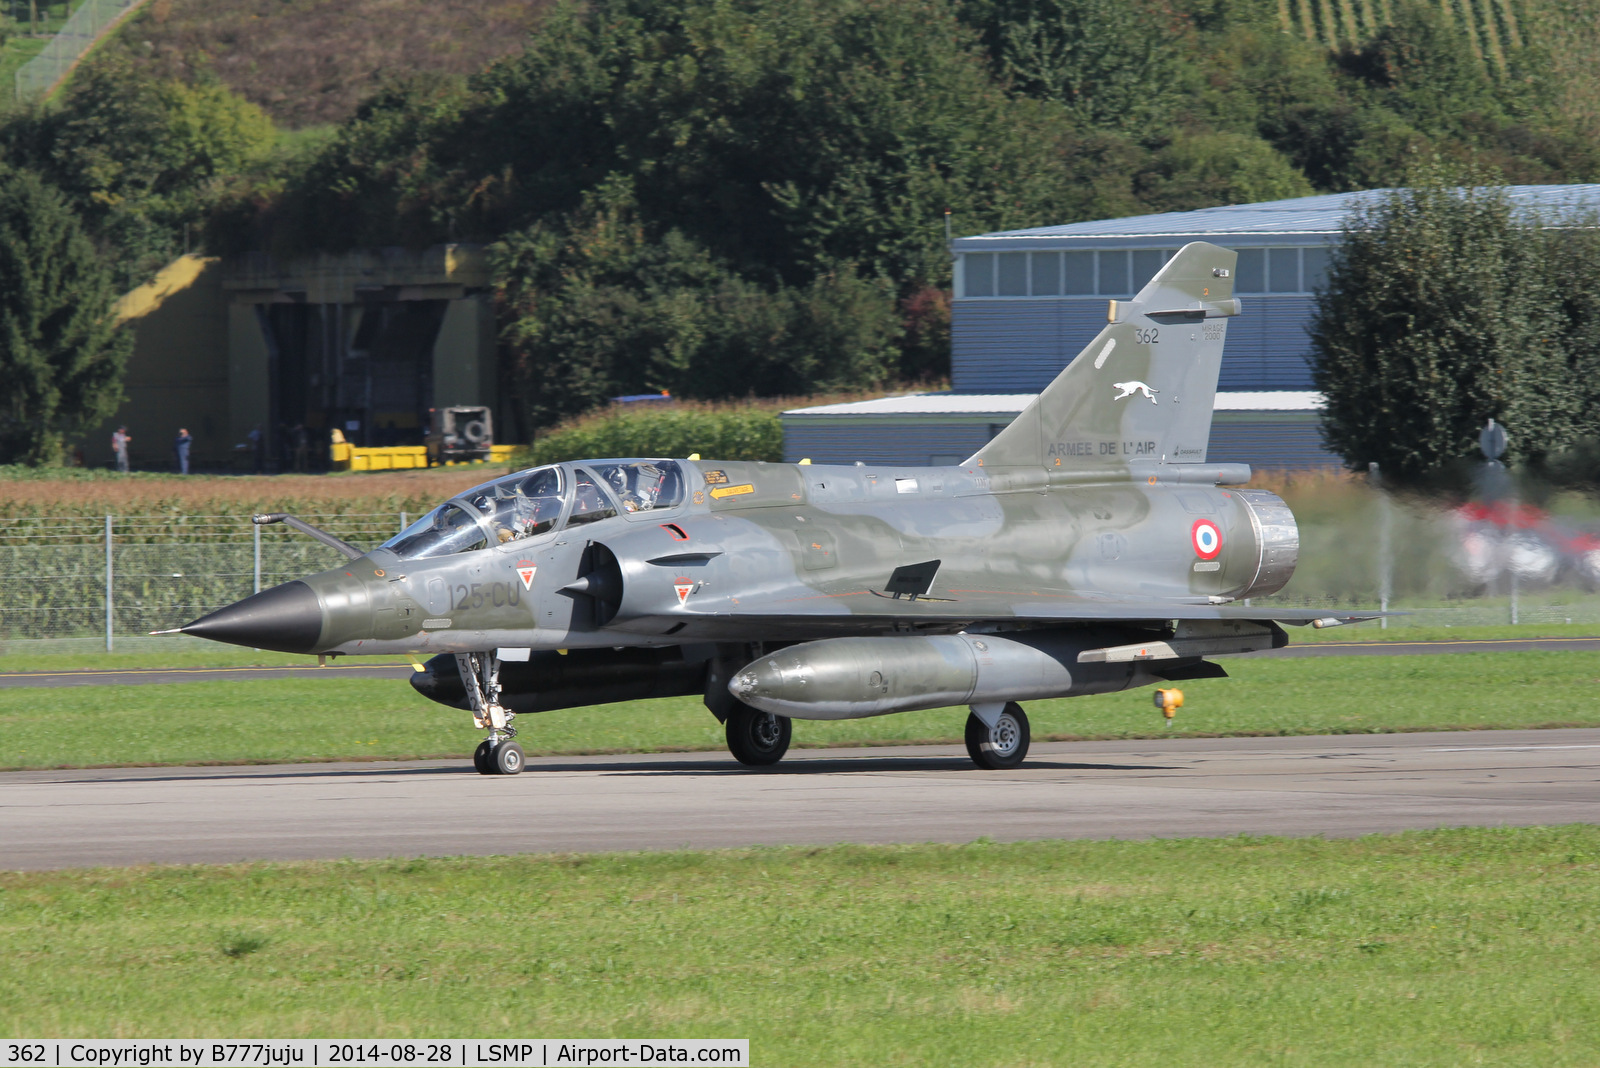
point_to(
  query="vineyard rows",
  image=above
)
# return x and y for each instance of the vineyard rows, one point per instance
(1495, 27)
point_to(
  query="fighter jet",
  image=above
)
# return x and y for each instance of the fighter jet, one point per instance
(1088, 548)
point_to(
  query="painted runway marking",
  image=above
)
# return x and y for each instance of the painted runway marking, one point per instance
(1507, 748)
(1439, 644)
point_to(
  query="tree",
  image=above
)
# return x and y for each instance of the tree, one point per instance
(1423, 68)
(62, 353)
(786, 137)
(1108, 61)
(140, 159)
(597, 305)
(1199, 170)
(1438, 315)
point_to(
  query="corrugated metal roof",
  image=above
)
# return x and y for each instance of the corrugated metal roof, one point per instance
(926, 404)
(1303, 220)
(1009, 404)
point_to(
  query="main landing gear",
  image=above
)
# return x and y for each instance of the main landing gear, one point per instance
(997, 736)
(756, 738)
(496, 754)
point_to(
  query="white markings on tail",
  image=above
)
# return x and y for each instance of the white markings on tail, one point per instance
(1130, 388)
(1100, 360)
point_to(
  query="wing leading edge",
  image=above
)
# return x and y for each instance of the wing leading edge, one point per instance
(867, 612)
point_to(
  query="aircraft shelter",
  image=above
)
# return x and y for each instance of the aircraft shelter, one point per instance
(363, 342)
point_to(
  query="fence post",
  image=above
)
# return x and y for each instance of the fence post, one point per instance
(109, 639)
(403, 523)
(1511, 574)
(257, 530)
(1385, 546)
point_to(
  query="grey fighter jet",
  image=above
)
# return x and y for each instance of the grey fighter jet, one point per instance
(1087, 548)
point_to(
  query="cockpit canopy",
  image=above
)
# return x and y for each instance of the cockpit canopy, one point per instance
(538, 501)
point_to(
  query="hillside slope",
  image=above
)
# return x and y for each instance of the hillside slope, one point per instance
(1492, 27)
(1567, 31)
(308, 62)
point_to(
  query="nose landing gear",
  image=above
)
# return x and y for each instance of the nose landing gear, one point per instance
(496, 754)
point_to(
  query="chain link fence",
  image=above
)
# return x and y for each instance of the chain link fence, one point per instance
(92, 18)
(80, 583)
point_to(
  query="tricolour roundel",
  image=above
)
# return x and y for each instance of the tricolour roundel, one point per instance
(1207, 539)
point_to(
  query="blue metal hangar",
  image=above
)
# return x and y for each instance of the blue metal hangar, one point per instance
(1027, 301)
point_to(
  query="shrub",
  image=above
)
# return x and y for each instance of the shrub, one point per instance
(747, 433)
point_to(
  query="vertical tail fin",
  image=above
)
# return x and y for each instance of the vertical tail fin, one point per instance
(1142, 391)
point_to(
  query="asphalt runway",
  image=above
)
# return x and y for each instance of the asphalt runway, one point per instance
(401, 671)
(1335, 786)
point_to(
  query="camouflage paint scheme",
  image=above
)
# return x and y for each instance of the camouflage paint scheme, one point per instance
(1093, 520)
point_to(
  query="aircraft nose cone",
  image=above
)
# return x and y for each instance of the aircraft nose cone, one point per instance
(286, 619)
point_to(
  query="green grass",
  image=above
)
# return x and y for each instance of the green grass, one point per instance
(1435, 948)
(315, 719)
(22, 46)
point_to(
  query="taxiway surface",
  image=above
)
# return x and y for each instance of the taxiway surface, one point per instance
(1335, 786)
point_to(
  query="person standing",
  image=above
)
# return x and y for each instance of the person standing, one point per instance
(180, 448)
(119, 445)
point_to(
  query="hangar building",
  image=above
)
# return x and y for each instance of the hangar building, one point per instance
(363, 342)
(1027, 301)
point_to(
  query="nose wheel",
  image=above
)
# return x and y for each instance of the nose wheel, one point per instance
(504, 758)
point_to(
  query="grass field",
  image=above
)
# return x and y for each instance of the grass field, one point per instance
(1437, 948)
(24, 44)
(315, 719)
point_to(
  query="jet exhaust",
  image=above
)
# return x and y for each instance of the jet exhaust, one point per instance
(1277, 540)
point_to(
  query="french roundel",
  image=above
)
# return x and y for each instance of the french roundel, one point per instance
(1207, 539)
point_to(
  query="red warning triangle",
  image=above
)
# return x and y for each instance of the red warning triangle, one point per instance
(683, 589)
(526, 572)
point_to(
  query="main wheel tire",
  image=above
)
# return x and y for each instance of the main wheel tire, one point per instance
(758, 738)
(508, 758)
(482, 759)
(1003, 746)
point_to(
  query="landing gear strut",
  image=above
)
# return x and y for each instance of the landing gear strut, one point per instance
(496, 754)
